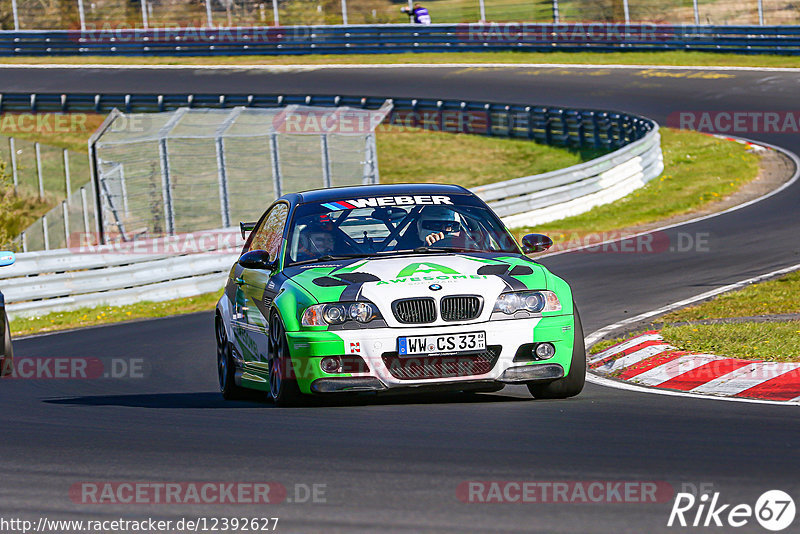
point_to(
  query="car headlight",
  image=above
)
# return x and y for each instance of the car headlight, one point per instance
(529, 301)
(338, 313)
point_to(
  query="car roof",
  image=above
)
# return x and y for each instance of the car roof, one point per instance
(378, 190)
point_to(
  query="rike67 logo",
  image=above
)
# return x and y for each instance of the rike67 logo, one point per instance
(774, 510)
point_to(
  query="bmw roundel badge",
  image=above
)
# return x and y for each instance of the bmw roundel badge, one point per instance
(434, 287)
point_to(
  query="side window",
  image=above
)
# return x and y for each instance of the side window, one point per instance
(268, 236)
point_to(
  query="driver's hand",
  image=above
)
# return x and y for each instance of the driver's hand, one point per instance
(433, 238)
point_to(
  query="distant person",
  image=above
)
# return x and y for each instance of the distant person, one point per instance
(420, 14)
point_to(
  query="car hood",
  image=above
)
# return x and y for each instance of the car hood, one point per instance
(384, 280)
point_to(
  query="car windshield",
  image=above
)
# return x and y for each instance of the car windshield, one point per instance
(395, 225)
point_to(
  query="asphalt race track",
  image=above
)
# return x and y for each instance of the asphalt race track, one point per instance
(394, 465)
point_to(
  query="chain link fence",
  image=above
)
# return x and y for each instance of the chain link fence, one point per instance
(154, 14)
(200, 169)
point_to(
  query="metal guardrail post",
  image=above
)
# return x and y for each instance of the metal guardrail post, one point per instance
(82, 15)
(15, 12)
(45, 233)
(67, 185)
(276, 165)
(696, 13)
(326, 161)
(556, 17)
(65, 213)
(94, 170)
(12, 146)
(38, 152)
(760, 12)
(627, 11)
(482, 8)
(275, 17)
(344, 12)
(145, 18)
(209, 17)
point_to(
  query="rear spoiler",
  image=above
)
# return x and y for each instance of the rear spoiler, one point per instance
(247, 227)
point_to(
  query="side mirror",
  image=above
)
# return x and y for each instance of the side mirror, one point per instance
(7, 258)
(536, 243)
(256, 259)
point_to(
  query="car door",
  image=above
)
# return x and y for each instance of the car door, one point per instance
(255, 289)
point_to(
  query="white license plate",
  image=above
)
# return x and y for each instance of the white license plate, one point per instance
(446, 344)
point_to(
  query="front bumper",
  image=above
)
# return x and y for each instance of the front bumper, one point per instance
(378, 346)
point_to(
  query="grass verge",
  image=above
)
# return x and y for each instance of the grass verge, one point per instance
(778, 342)
(698, 170)
(772, 341)
(83, 317)
(777, 296)
(672, 58)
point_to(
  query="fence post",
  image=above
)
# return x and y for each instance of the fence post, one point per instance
(209, 17)
(627, 11)
(16, 14)
(44, 233)
(12, 146)
(326, 161)
(760, 12)
(275, 17)
(166, 186)
(344, 12)
(65, 213)
(85, 210)
(24, 242)
(276, 164)
(82, 15)
(555, 12)
(222, 175)
(482, 6)
(38, 151)
(145, 18)
(370, 163)
(67, 184)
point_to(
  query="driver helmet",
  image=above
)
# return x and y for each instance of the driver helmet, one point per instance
(319, 235)
(436, 214)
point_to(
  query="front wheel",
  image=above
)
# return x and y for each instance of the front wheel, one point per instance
(282, 383)
(572, 384)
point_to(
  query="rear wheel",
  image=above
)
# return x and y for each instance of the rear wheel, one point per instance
(282, 383)
(8, 350)
(226, 368)
(572, 384)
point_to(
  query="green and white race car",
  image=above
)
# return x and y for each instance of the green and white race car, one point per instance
(393, 288)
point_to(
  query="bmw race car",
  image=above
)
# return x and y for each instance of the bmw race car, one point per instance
(387, 288)
(6, 350)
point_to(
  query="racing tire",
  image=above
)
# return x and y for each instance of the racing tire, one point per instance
(283, 387)
(572, 384)
(226, 367)
(8, 349)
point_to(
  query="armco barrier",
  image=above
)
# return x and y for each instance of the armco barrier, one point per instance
(66, 279)
(399, 38)
(56, 280)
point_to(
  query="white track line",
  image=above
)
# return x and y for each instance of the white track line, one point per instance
(607, 382)
(301, 66)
